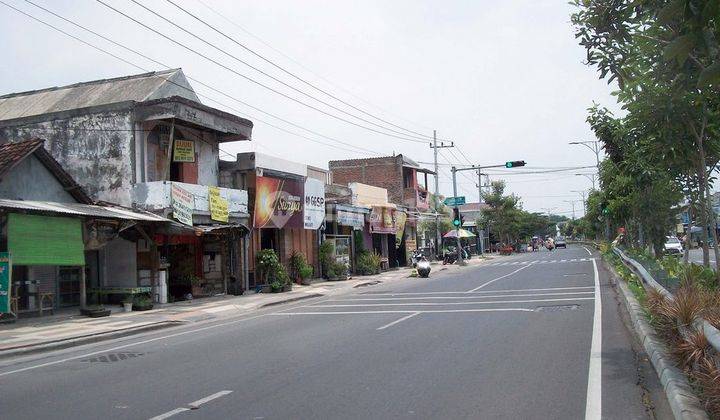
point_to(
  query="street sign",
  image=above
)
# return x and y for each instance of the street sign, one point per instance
(455, 201)
(5, 279)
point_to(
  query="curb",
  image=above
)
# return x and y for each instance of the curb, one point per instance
(86, 339)
(292, 299)
(681, 397)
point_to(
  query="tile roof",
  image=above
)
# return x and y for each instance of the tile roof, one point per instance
(11, 154)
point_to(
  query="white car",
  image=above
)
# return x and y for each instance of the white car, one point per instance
(673, 246)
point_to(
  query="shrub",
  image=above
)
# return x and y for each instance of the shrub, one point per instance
(366, 263)
(306, 272)
(337, 269)
(325, 254)
(299, 268)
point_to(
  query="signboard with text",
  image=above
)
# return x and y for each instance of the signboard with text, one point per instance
(278, 203)
(348, 218)
(218, 205)
(455, 201)
(5, 282)
(382, 220)
(183, 203)
(183, 151)
(314, 209)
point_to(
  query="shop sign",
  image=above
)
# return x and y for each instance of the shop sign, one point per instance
(348, 218)
(183, 204)
(400, 219)
(314, 211)
(382, 220)
(278, 203)
(218, 205)
(183, 151)
(5, 276)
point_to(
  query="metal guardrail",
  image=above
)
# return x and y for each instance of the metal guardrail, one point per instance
(712, 333)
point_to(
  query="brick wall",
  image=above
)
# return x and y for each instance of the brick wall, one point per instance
(379, 172)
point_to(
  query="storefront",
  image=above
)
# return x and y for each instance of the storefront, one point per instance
(383, 232)
(344, 224)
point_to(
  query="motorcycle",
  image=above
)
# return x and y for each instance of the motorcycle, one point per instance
(423, 268)
(450, 257)
(416, 257)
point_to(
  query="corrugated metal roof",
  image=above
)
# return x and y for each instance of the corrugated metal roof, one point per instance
(82, 210)
(138, 88)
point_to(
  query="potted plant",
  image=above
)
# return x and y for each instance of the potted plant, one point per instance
(305, 273)
(127, 303)
(276, 286)
(337, 271)
(142, 302)
(195, 285)
(326, 254)
(266, 263)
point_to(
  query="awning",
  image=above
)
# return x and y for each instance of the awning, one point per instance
(44, 240)
(81, 210)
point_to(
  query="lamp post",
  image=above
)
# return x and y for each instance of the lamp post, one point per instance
(590, 177)
(593, 145)
(584, 200)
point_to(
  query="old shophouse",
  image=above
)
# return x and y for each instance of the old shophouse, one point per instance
(287, 200)
(393, 224)
(147, 142)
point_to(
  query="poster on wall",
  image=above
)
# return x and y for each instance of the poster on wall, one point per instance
(183, 203)
(348, 218)
(5, 277)
(400, 219)
(382, 220)
(183, 151)
(314, 211)
(278, 203)
(218, 205)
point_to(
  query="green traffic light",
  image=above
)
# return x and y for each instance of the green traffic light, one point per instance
(508, 164)
(456, 222)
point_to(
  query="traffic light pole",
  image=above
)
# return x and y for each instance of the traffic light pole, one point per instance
(435, 147)
(457, 226)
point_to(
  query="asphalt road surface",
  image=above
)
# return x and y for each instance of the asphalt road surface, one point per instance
(532, 336)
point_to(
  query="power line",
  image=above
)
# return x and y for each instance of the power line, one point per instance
(180, 44)
(319, 76)
(288, 72)
(367, 151)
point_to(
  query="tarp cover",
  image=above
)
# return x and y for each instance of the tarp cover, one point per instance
(43, 240)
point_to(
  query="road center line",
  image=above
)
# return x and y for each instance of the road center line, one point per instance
(478, 293)
(397, 321)
(593, 406)
(432, 311)
(198, 403)
(170, 413)
(500, 278)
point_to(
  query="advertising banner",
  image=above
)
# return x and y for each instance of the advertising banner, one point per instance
(382, 220)
(183, 151)
(218, 205)
(183, 204)
(278, 203)
(348, 218)
(314, 211)
(400, 219)
(5, 278)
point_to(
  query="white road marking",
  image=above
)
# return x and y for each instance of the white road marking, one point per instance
(449, 303)
(137, 343)
(192, 406)
(399, 320)
(499, 278)
(483, 292)
(444, 311)
(458, 297)
(593, 406)
(587, 250)
(170, 413)
(219, 309)
(198, 403)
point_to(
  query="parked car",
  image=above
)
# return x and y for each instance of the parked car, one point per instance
(560, 242)
(673, 246)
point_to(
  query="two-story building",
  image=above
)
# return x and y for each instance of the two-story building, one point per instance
(287, 201)
(406, 184)
(146, 141)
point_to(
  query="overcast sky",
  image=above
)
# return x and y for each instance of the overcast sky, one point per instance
(503, 79)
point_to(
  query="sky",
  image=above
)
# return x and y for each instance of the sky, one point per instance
(502, 80)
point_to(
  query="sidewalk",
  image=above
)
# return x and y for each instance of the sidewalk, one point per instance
(71, 329)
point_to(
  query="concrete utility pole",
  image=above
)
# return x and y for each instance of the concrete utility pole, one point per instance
(572, 202)
(582, 193)
(457, 228)
(435, 148)
(590, 177)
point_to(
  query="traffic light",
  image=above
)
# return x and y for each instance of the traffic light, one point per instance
(457, 221)
(515, 164)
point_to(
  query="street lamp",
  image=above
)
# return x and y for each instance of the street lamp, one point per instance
(593, 145)
(590, 177)
(584, 200)
(572, 202)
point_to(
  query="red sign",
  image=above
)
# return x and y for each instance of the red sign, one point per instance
(278, 203)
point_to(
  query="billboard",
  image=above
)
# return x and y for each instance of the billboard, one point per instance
(279, 203)
(314, 211)
(382, 220)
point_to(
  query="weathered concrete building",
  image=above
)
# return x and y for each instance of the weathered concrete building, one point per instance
(128, 141)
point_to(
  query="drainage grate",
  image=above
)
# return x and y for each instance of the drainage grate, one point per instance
(557, 308)
(113, 357)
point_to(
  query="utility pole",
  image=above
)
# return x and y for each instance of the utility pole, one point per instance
(572, 202)
(584, 200)
(435, 147)
(457, 228)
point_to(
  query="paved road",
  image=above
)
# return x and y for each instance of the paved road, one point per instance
(522, 337)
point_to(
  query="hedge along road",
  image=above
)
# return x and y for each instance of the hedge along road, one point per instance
(510, 341)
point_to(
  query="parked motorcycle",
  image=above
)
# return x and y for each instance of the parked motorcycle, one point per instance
(416, 257)
(450, 257)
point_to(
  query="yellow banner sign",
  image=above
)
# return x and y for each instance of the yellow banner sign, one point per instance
(184, 151)
(218, 205)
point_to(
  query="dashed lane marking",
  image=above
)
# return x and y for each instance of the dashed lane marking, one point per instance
(480, 302)
(458, 297)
